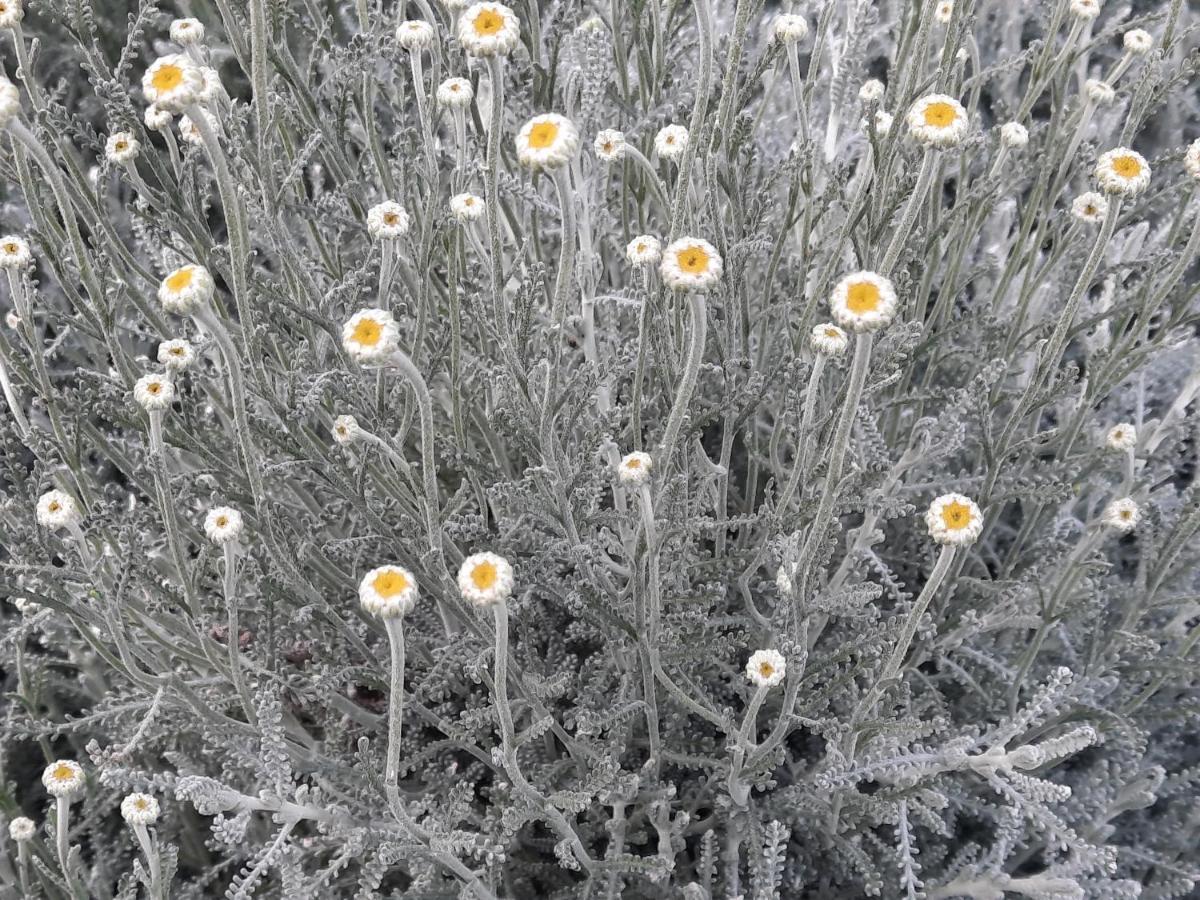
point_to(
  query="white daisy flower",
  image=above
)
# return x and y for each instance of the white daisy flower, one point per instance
(671, 141)
(187, 32)
(789, 28)
(156, 118)
(57, 509)
(644, 250)
(11, 14)
(547, 142)
(414, 35)
(937, 120)
(944, 12)
(485, 579)
(489, 29)
(213, 89)
(691, 264)
(466, 207)
(1014, 136)
(1122, 515)
(21, 829)
(455, 93)
(1123, 172)
(122, 147)
(1085, 9)
(189, 131)
(1099, 92)
(176, 354)
(172, 83)
(1138, 40)
(766, 668)
(346, 430)
(829, 340)
(139, 809)
(12, 320)
(1191, 159)
(370, 335)
(186, 289)
(1090, 207)
(388, 592)
(14, 252)
(154, 393)
(954, 519)
(10, 102)
(881, 120)
(1121, 437)
(872, 91)
(610, 145)
(223, 525)
(63, 778)
(387, 220)
(863, 301)
(635, 468)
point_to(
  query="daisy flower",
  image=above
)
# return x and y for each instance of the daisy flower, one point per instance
(610, 145)
(1014, 136)
(954, 519)
(57, 509)
(223, 524)
(1122, 515)
(176, 354)
(1137, 40)
(63, 778)
(671, 141)
(139, 809)
(212, 85)
(881, 121)
(644, 250)
(635, 468)
(455, 93)
(937, 120)
(944, 12)
(10, 102)
(1090, 207)
(14, 252)
(370, 335)
(872, 91)
(388, 592)
(691, 264)
(346, 430)
(154, 393)
(1191, 159)
(387, 220)
(12, 320)
(1123, 172)
(1121, 437)
(156, 118)
(414, 35)
(766, 668)
(1099, 92)
(789, 28)
(485, 579)
(1085, 9)
(190, 132)
(187, 32)
(466, 207)
(488, 29)
(21, 829)
(186, 289)
(829, 340)
(11, 14)
(863, 301)
(547, 142)
(121, 147)
(172, 82)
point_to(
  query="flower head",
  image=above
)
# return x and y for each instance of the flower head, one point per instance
(415, 35)
(880, 122)
(829, 340)
(691, 264)
(370, 335)
(954, 519)
(1014, 135)
(872, 91)
(139, 809)
(388, 592)
(610, 145)
(1123, 172)
(485, 579)
(154, 393)
(466, 207)
(10, 102)
(1122, 515)
(547, 142)
(213, 88)
(186, 290)
(1085, 9)
(635, 468)
(63, 778)
(187, 32)
(1121, 437)
(176, 354)
(387, 220)
(789, 28)
(57, 509)
(190, 131)
(172, 82)
(156, 118)
(1191, 159)
(1099, 92)
(766, 668)
(21, 829)
(937, 120)
(1137, 40)
(122, 147)
(671, 141)
(223, 524)
(644, 250)
(488, 29)
(1090, 207)
(14, 252)
(346, 430)
(455, 93)
(11, 14)
(863, 301)
(943, 12)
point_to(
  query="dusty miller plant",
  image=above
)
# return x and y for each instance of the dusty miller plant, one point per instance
(905, 608)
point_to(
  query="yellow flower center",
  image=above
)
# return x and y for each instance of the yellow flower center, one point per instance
(154, 387)
(832, 333)
(939, 114)
(167, 78)
(222, 521)
(1127, 166)
(62, 772)
(766, 670)
(484, 575)
(391, 218)
(670, 139)
(693, 260)
(488, 22)
(389, 583)
(454, 88)
(54, 506)
(608, 146)
(177, 351)
(862, 297)
(634, 464)
(179, 279)
(121, 145)
(367, 332)
(956, 515)
(1126, 514)
(641, 248)
(10, 247)
(470, 201)
(542, 135)
(1089, 210)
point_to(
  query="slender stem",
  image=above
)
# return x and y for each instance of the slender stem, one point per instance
(691, 372)
(166, 505)
(495, 66)
(904, 227)
(395, 631)
(151, 853)
(418, 77)
(805, 440)
(229, 584)
(62, 825)
(705, 28)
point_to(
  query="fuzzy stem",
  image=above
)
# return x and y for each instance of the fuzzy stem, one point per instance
(395, 632)
(687, 384)
(495, 65)
(901, 235)
(232, 644)
(142, 833)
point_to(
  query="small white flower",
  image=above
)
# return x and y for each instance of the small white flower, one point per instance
(223, 524)
(186, 32)
(370, 335)
(455, 93)
(635, 468)
(1085, 9)
(610, 145)
(691, 264)
(937, 120)
(1121, 437)
(57, 509)
(1123, 172)
(11, 14)
(14, 252)
(388, 592)
(489, 29)
(1191, 159)
(485, 579)
(10, 102)
(387, 220)
(21, 829)
(139, 809)
(1090, 207)
(1138, 40)
(190, 132)
(789, 28)
(766, 668)
(466, 207)
(213, 89)
(186, 289)
(863, 301)
(154, 393)
(944, 12)
(346, 430)
(176, 354)
(172, 82)
(829, 340)
(414, 35)
(156, 118)
(12, 320)
(122, 147)
(881, 121)
(671, 141)
(872, 91)
(954, 519)
(644, 250)
(1014, 135)
(1099, 92)
(547, 142)
(1122, 515)
(63, 778)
